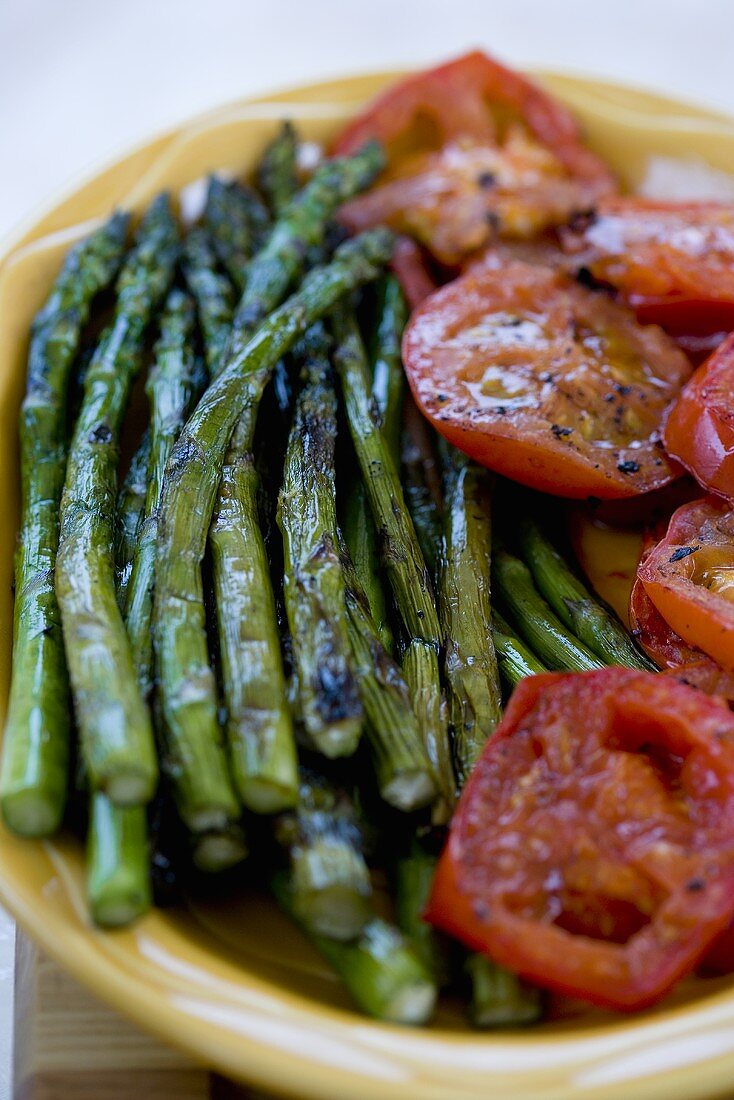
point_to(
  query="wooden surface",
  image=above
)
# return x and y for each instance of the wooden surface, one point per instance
(70, 1047)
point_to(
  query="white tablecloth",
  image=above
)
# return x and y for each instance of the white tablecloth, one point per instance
(80, 79)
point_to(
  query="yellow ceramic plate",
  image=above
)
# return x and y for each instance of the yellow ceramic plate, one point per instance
(235, 986)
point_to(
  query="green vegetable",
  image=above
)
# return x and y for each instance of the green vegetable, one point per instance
(404, 772)
(130, 507)
(276, 174)
(499, 997)
(114, 723)
(329, 700)
(186, 684)
(414, 872)
(380, 970)
(118, 862)
(514, 658)
(593, 624)
(421, 483)
(329, 878)
(218, 850)
(535, 621)
(213, 293)
(170, 389)
(388, 377)
(401, 554)
(237, 222)
(35, 756)
(470, 663)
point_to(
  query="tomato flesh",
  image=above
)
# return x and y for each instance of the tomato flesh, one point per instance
(461, 197)
(592, 850)
(699, 431)
(689, 577)
(673, 262)
(474, 150)
(542, 380)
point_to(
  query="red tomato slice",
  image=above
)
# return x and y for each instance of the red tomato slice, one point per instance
(689, 577)
(673, 262)
(592, 850)
(677, 658)
(468, 98)
(474, 149)
(544, 381)
(719, 959)
(699, 431)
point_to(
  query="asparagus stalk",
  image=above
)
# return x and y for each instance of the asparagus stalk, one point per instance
(401, 554)
(187, 689)
(414, 873)
(593, 624)
(276, 173)
(514, 658)
(118, 862)
(212, 291)
(238, 222)
(404, 772)
(130, 507)
(217, 850)
(259, 721)
(475, 705)
(470, 663)
(329, 700)
(329, 878)
(535, 621)
(421, 483)
(380, 970)
(170, 388)
(114, 723)
(388, 378)
(360, 535)
(35, 757)
(301, 227)
(259, 725)
(499, 997)
(388, 389)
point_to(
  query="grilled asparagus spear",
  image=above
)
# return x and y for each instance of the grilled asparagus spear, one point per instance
(187, 689)
(535, 621)
(170, 389)
(514, 658)
(276, 173)
(118, 862)
(470, 663)
(401, 554)
(114, 723)
(329, 878)
(35, 757)
(213, 293)
(237, 222)
(329, 700)
(595, 626)
(130, 507)
(380, 969)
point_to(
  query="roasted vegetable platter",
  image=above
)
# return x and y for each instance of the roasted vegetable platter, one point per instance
(319, 626)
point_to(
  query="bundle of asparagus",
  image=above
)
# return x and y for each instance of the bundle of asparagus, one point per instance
(224, 668)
